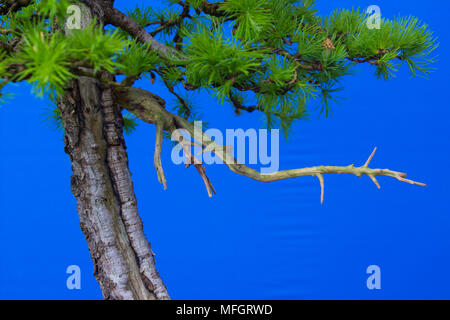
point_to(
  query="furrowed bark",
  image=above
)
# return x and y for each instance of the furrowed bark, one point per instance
(117, 159)
(106, 203)
(102, 185)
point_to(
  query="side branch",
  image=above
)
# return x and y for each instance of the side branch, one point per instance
(145, 106)
(318, 171)
(120, 20)
(157, 156)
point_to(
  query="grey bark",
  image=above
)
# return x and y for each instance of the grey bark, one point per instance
(101, 182)
(106, 203)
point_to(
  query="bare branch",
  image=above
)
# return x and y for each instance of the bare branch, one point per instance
(375, 181)
(370, 158)
(146, 107)
(157, 156)
(318, 171)
(191, 159)
(322, 187)
(209, 187)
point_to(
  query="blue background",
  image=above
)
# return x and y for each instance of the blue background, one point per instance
(255, 240)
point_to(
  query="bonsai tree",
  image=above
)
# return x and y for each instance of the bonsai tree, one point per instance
(267, 56)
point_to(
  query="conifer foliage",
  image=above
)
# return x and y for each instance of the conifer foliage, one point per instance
(275, 55)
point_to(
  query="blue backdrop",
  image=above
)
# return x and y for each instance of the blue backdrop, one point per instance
(255, 240)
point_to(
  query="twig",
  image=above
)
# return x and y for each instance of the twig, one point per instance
(209, 187)
(191, 159)
(322, 187)
(157, 156)
(370, 158)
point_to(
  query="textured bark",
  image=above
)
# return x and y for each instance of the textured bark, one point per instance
(102, 185)
(106, 203)
(117, 159)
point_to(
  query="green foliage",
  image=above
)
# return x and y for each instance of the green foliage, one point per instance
(215, 60)
(187, 109)
(129, 123)
(277, 55)
(416, 42)
(172, 75)
(170, 15)
(194, 3)
(327, 90)
(282, 110)
(251, 17)
(25, 20)
(48, 57)
(54, 118)
(309, 40)
(142, 15)
(46, 60)
(404, 39)
(306, 11)
(54, 8)
(137, 59)
(346, 22)
(4, 63)
(95, 47)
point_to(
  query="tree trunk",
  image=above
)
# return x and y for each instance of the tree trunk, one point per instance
(106, 203)
(101, 182)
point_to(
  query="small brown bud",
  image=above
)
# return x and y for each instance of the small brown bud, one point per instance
(328, 44)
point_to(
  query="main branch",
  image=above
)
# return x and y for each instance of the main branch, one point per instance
(149, 108)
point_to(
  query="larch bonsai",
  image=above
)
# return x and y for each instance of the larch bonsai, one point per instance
(268, 56)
